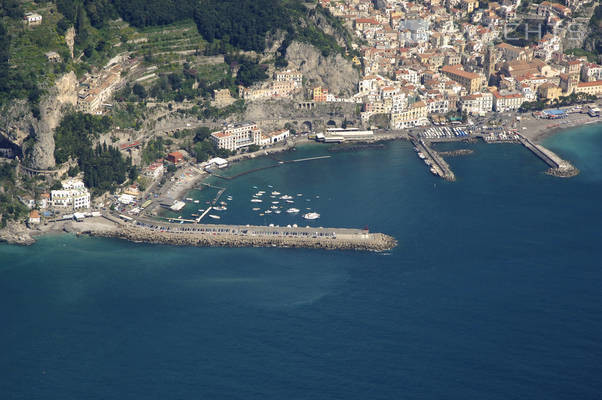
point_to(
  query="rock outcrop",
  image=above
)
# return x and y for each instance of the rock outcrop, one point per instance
(17, 122)
(333, 72)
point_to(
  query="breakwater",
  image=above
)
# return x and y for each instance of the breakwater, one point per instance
(456, 153)
(437, 164)
(558, 167)
(252, 236)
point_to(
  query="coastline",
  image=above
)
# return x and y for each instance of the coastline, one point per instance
(21, 234)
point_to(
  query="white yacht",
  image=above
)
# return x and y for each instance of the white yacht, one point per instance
(311, 215)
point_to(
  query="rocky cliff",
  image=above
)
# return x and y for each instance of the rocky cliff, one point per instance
(36, 136)
(334, 71)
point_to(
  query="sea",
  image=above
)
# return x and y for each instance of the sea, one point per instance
(493, 292)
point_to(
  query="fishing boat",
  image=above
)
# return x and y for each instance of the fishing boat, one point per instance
(311, 215)
(214, 216)
(292, 210)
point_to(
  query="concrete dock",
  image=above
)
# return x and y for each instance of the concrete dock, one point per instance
(558, 166)
(437, 164)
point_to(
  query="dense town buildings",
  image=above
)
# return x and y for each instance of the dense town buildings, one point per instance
(432, 57)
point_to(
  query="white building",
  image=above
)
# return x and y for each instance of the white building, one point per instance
(32, 18)
(235, 136)
(274, 137)
(74, 195)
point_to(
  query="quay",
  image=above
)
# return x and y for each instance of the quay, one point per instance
(152, 231)
(437, 164)
(558, 166)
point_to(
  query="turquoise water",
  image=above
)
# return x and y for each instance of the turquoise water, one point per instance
(493, 291)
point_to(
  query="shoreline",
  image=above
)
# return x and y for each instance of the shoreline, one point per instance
(20, 234)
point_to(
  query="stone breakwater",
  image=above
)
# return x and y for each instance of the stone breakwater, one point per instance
(363, 242)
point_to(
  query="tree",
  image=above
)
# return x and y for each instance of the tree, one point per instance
(139, 91)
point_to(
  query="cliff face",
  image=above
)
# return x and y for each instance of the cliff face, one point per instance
(334, 72)
(18, 124)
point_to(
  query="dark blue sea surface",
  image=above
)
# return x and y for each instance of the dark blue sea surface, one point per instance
(494, 291)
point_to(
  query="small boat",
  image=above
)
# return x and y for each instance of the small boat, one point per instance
(275, 202)
(277, 212)
(195, 215)
(201, 210)
(299, 194)
(256, 208)
(292, 210)
(256, 201)
(188, 199)
(196, 202)
(268, 211)
(223, 203)
(254, 187)
(214, 216)
(220, 208)
(274, 207)
(261, 214)
(275, 193)
(270, 186)
(311, 215)
(286, 197)
(290, 201)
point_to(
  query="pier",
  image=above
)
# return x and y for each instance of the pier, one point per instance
(437, 164)
(190, 234)
(558, 166)
(280, 162)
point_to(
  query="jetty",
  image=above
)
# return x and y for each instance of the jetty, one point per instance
(436, 163)
(194, 234)
(558, 166)
(280, 162)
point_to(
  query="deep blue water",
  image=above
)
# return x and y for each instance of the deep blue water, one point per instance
(494, 291)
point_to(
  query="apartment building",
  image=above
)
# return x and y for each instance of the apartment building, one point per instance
(236, 136)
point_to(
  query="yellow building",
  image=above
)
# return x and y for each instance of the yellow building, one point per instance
(413, 116)
(549, 91)
(471, 81)
(593, 88)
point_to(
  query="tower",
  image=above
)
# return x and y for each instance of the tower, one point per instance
(489, 64)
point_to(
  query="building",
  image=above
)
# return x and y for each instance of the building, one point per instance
(415, 115)
(34, 217)
(73, 195)
(591, 88)
(175, 157)
(289, 75)
(503, 102)
(320, 94)
(549, 91)
(32, 18)
(274, 137)
(478, 103)
(236, 136)
(53, 57)
(471, 81)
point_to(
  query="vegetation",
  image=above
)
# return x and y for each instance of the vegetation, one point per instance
(153, 150)
(10, 206)
(573, 98)
(103, 166)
